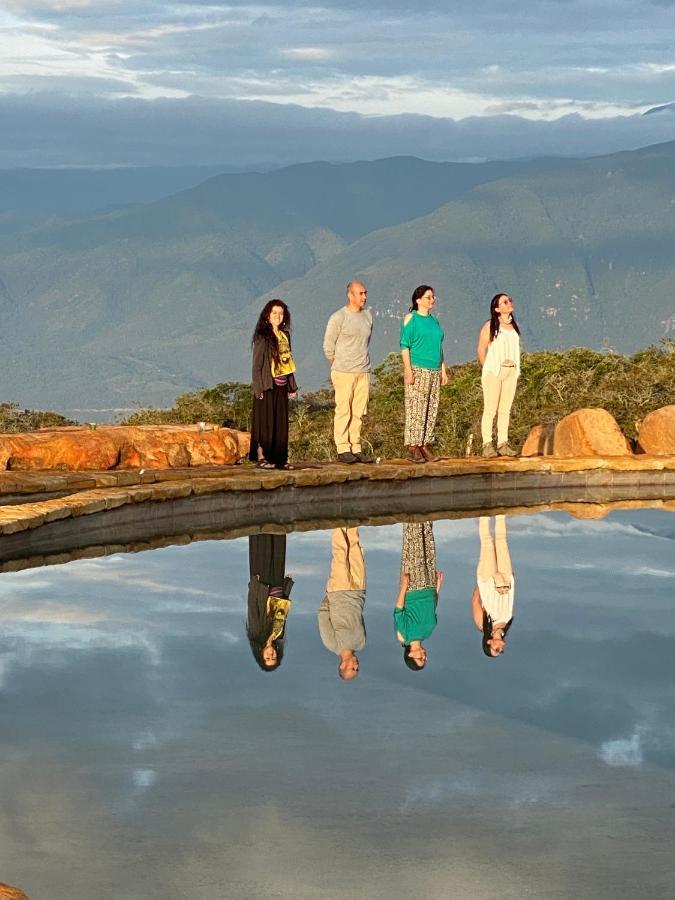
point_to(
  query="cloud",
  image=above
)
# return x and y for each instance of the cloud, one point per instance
(311, 53)
(624, 752)
(49, 130)
(455, 61)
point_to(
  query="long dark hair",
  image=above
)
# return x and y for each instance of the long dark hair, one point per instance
(258, 629)
(264, 331)
(407, 658)
(494, 317)
(419, 291)
(487, 630)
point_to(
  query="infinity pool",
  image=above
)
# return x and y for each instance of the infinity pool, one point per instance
(146, 755)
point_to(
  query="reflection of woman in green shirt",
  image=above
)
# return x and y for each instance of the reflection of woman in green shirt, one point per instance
(415, 610)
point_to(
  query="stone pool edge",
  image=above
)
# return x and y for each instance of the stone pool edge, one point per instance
(73, 494)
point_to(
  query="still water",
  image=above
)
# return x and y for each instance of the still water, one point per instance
(145, 754)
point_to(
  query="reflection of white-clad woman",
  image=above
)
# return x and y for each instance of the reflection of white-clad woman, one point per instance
(492, 598)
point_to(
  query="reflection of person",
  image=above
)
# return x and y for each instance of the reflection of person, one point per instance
(499, 355)
(345, 345)
(341, 613)
(273, 383)
(492, 598)
(269, 590)
(424, 372)
(415, 611)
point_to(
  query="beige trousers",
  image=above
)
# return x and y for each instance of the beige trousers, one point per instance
(498, 393)
(348, 565)
(351, 405)
(494, 560)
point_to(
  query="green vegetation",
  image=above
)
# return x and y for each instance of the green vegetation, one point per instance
(552, 384)
(14, 419)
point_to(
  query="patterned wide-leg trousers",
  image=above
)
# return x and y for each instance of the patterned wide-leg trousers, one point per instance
(418, 555)
(421, 406)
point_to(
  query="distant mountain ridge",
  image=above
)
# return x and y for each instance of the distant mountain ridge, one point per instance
(141, 304)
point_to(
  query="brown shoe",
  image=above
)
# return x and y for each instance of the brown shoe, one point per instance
(416, 455)
(505, 450)
(429, 453)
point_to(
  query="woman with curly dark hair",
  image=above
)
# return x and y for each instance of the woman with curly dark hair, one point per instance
(273, 382)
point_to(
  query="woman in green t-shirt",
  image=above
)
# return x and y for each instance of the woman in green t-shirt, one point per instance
(424, 372)
(415, 610)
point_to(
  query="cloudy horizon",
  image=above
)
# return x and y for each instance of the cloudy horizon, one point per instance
(224, 82)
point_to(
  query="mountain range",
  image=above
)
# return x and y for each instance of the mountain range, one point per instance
(142, 302)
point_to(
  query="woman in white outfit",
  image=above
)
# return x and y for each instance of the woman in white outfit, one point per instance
(493, 596)
(499, 355)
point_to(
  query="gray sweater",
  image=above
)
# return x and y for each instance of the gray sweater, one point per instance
(347, 338)
(341, 623)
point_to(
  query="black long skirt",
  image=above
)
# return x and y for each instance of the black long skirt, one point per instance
(267, 558)
(269, 426)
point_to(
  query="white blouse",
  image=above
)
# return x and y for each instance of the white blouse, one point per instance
(506, 345)
(498, 606)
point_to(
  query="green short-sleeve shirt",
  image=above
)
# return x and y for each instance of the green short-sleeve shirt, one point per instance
(423, 336)
(417, 619)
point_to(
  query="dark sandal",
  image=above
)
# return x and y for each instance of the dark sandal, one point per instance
(264, 464)
(287, 467)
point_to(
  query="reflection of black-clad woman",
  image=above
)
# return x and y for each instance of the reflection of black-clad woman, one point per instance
(268, 599)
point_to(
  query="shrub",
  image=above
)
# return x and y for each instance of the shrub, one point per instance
(552, 384)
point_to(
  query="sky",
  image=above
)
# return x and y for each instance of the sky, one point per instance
(100, 70)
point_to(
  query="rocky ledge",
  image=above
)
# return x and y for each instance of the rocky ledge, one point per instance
(105, 447)
(7, 892)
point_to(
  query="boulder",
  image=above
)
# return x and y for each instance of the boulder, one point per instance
(539, 441)
(126, 447)
(589, 432)
(70, 449)
(585, 510)
(657, 432)
(219, 447)
(585, 432)
(7, 892)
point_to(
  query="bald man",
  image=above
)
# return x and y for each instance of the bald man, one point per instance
(345, 344)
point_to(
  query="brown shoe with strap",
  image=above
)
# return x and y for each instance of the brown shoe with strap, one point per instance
(415, 454)
(429, 453)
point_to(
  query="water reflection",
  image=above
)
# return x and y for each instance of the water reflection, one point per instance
(492, 598)
(415, 608)
(140, 748)
(340, 616)
(269, 590)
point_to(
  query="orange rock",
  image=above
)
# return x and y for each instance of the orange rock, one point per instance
(589, 432)
(539, 441)
(178, 449)
(53, 449)
(7, 892)
(585, 510)
(657, 432)
(583, 433)
(117, 446)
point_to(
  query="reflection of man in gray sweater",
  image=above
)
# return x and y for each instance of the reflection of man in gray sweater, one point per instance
(341, 613)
